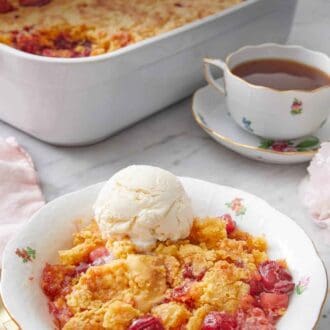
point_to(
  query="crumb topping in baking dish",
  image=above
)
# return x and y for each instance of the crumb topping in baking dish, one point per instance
(218, 278)
(78, 28)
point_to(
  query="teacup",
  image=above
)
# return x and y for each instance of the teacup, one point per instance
(267, 112)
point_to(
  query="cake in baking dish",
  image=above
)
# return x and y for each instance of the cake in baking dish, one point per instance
(80, 28)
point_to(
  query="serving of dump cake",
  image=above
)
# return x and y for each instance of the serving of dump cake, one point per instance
(145, 263)
(78, 28)
(219, 277)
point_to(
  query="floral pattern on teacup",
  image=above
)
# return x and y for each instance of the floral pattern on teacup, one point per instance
(296, 107)
(302, 285)
(27, 254)
(306, 144)
(247, 124)
(237, 206)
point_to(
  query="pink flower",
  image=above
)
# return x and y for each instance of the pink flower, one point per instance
(304, 281)
(302, 285)
(236, 204)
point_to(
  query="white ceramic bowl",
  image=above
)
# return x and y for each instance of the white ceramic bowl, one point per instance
(52, 227)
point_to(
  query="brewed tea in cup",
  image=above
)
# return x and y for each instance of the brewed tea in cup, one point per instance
(275, 91)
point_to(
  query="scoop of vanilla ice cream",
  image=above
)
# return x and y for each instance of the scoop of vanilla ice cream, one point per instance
(145, 203)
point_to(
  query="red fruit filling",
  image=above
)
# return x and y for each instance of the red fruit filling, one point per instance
(219, 321)
(56, 280)
(82, 268)
(97, 257)
(230, 223)
(5, 6)
(273, 301)
(189, 273)
(62, 314)
(98, 253)
(147, 322)
(62, 45)
(181, 294)
(271, 287)
(33, 3)
(275, 278)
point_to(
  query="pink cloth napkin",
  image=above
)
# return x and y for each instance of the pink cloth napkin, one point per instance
(315, 190)
(20, 194)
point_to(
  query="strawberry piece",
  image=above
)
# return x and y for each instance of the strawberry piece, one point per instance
(147, 322)
(273, 301)
(230, 223)
(56, 279)
(219, 321)
(275, 278)
(189, 273)
(33, 3)
(181, 294)
(62, 314)
(98, 253)
(5, 7)
(82, 268)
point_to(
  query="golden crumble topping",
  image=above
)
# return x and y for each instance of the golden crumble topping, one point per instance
(218, 272)
(172, 314)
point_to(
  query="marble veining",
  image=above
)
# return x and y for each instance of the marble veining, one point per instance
(171, 139)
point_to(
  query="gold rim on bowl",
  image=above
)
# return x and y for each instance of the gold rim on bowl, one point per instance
(7, 321)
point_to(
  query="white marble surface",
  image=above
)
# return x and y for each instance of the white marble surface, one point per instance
(172, 140)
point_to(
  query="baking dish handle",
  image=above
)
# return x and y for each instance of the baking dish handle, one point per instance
(208, 74)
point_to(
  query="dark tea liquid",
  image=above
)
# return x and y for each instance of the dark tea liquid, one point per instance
(281, 74)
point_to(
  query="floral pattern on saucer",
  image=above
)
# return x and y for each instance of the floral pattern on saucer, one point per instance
(309, 143)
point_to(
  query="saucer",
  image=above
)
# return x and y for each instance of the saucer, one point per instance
(210, 112)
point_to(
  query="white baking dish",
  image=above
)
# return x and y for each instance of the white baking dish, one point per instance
(81, 101)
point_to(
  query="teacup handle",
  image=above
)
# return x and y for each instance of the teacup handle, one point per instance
(208, 75)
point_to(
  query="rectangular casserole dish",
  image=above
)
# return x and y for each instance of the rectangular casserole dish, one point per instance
(83, 100)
